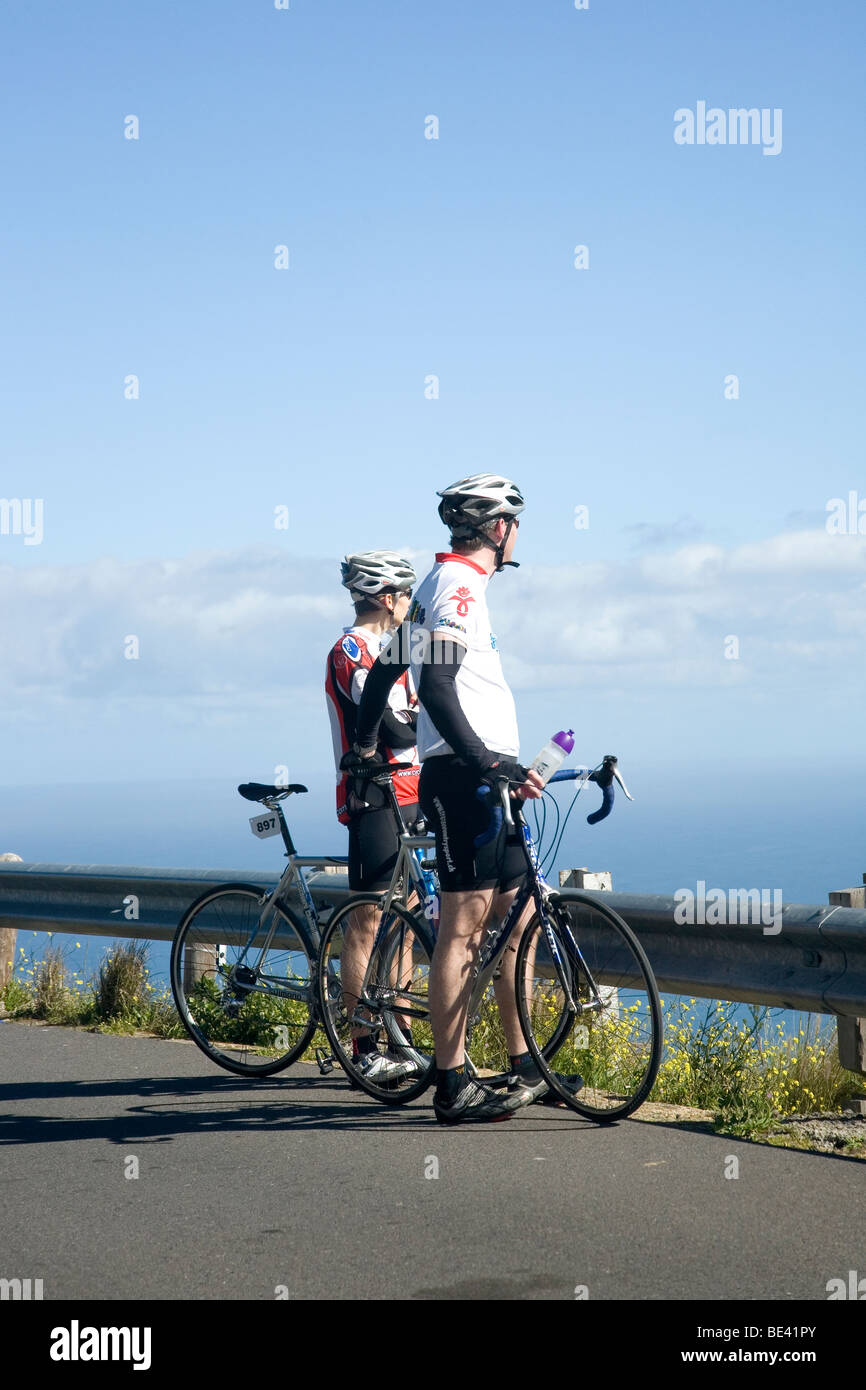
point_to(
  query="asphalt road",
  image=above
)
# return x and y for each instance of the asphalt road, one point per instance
(300, 1185)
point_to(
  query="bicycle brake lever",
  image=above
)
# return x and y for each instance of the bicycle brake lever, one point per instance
(618, 776)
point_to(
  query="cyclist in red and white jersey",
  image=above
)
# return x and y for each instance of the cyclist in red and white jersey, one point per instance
(380, 584)
(467, 734)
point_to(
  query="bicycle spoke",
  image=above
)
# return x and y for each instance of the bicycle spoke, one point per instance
(250, 1013)
(613, 1039)
(374, 974)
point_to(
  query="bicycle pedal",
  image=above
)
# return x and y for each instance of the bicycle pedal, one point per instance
(325, 1062)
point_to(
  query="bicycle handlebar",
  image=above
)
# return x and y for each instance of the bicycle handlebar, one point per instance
(604, 776)
(366, 768)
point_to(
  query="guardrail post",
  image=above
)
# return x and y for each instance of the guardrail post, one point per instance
(599, 882)
(585, 878)
(198, 961)
(851, 1032)
(8, 935)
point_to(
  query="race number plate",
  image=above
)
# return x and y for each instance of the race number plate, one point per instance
(264, 825)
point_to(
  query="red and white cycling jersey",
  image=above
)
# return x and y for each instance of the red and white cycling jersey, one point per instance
(349, 660)
(452, 602)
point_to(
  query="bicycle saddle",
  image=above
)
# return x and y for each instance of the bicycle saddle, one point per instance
(257, 791)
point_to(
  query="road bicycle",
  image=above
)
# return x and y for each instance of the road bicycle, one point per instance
(398, 965)
(586, 996)
(243, 961)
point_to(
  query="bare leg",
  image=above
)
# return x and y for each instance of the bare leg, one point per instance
(463, 919)
(357, 945)
(504, 987)
(402, 969)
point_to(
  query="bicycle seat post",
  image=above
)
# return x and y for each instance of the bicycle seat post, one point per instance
(289, 843)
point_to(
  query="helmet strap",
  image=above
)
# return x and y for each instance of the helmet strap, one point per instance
(498, 547)
(371, 600)
(501, 562)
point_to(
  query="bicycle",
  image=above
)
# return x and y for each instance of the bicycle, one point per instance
(243, 961)
(399, 961)
(588, 998)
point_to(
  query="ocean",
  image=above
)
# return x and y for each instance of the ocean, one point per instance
(751, 827)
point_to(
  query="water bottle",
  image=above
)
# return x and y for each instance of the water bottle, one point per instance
(553, 755)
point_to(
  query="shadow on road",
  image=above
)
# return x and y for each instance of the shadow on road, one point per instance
(175, 1106)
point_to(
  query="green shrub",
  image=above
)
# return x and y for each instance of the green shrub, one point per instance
(15, 996)
(121, 988)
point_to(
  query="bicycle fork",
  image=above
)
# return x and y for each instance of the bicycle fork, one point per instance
(596, 1004)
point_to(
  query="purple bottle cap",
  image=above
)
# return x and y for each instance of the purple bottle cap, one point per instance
(565, 740)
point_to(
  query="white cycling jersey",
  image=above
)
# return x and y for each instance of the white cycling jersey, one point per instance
(452, 601)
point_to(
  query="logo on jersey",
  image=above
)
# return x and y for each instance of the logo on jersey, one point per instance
(493, 640)
(463, 598)
(416, 613)
(350, 647)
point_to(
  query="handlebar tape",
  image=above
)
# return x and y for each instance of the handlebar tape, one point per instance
(604, 779)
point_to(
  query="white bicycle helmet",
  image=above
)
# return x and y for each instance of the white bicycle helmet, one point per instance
(366, 574)
(470, 504)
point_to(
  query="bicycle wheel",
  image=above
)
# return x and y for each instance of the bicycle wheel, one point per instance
(252, 1016)
(487, 1052)
(374, 973)
(613, 1037)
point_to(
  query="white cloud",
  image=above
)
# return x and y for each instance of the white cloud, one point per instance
(221, 631)
(807, 552)
(247, 621)
(796, 602)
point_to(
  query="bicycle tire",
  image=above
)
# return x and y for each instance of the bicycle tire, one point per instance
(388, 997)
(618, 1049)
(240, 1025)
(483, 1064)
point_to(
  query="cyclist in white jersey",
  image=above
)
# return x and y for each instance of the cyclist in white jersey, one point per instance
(467, 734)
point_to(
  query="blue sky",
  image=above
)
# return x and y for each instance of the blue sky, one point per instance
(259, 387)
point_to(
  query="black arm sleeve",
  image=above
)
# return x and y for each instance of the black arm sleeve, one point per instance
(385, 672)
(397, 732)
(438, 694)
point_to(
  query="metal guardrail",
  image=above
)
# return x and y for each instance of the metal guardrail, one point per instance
(815, 962)
(120, 901)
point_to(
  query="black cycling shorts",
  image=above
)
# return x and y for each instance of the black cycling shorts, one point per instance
(446, 792)
(373, 846)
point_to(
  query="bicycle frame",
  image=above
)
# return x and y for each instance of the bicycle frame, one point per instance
(291, 876)
(412, 872)
(409, 868)
(533, 885)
